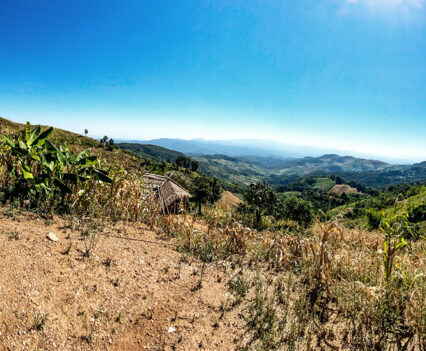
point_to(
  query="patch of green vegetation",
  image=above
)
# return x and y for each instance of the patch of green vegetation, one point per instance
(35, 169)
(323, 183)
(153, 152)
(394, 200)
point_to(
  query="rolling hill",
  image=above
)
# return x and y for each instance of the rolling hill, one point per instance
(151, 151)
(235, 148)
(278, 172)
(244, 162)
(75, 142)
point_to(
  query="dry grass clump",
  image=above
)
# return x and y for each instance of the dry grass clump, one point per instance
(124, 199)
(330, 290)
(337, 295)
(214, 236)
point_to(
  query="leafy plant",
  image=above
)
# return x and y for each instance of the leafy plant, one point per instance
(39, 168)
(394, 230)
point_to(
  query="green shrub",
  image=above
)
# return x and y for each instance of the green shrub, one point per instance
(35, 169)
(297, 210)
(373, 219)
(417, 214)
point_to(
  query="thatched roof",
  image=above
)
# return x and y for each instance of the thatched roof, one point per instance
(167, 189)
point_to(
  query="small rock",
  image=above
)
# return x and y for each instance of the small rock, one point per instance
(51, 236)
(171, 329)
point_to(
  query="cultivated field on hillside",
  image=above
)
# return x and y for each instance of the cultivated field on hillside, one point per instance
(182, 285)
(91, 261)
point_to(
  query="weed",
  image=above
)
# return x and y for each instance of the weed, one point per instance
(119, 317)
(14, 235)
(262, 319)
(239, 287)
(90, 244)
(67, 250)
(39, 322)
(108, 261)
(199, 284)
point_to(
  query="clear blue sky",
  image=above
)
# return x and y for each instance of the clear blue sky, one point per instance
(344, 74)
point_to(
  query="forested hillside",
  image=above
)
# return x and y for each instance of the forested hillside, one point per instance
(151, 151)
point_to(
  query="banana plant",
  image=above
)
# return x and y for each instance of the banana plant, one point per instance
(36, 162)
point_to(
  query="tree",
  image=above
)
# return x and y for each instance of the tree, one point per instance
(262, 200)
(103, 141)
(194, 165)
(85, 132)
(339, 180)
(110, 145)
(298, 210)
(183, 161)
(206, 190)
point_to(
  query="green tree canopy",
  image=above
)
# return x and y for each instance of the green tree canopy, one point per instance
(262, 199)
(206, 190)
(298, 210)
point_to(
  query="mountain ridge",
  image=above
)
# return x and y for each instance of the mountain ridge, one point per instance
(252, 147)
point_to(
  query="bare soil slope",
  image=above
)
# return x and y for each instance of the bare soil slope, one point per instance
(339, 189)
(133, 292)
(228, 201)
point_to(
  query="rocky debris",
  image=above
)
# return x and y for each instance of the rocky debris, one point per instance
(52, 237)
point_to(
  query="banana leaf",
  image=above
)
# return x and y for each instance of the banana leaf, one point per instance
(74, 178)
(9, 142)
(26, 171)
(41, 139)
(27, 131)
(87, 161)
(83, 154)
(33, 136)
(61, 158)
(101, 175)
(22, 145)
(61, 185)
(49, 146)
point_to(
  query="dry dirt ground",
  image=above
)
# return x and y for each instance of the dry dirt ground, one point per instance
(339, 189)
(228, 200)
(134, 291)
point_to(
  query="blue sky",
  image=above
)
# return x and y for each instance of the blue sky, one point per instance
(339, 74)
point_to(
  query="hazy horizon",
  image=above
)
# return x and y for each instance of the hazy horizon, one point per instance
(281, 149)
(302, 150)
(335, 75)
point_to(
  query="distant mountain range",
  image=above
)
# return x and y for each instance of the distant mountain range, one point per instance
(250, 147)
(241, 147)
(278, 170)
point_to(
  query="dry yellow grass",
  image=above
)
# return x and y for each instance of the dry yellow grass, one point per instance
(339, 189)
(324, 291)
(228, 201)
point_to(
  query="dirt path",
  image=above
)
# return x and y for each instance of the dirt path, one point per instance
(128, 295)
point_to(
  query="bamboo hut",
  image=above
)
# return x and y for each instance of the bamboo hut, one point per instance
(170, 194)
